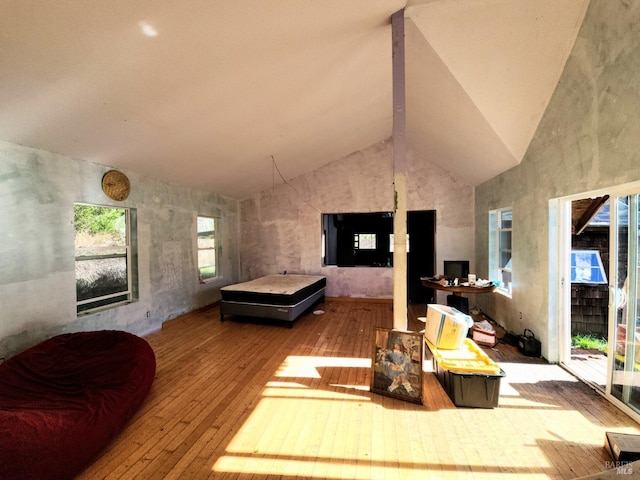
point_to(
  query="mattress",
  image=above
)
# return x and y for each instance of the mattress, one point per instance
(287, 289)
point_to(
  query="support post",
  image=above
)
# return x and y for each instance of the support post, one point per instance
(399, 175)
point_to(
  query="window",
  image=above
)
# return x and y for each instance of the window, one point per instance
(500, 224)
(364, 241)
(105, 270)
(391, 243)
(357, 239)
(207, 249)
(586, 267)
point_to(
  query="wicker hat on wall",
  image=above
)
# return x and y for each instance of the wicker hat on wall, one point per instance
(116, 185)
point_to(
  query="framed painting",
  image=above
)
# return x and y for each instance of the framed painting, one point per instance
(397, 364)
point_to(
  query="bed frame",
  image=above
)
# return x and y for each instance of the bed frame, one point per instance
(279, 297)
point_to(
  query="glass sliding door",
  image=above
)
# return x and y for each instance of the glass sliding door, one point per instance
(624, 330)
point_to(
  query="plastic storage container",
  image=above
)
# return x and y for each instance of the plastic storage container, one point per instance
(446, 327)
(468, 359)
(476, 390)
(468, 375)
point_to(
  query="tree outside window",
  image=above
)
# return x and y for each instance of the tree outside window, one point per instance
(102, 256)
(206, 249)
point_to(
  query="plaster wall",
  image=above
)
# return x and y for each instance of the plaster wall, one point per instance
(588, 139)
(281, 227)
(37, 287)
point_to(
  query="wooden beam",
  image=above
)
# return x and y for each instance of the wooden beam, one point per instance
(399, 121)
(399, 175)
(590, 212)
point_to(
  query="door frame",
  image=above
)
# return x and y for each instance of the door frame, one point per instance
(560, 280)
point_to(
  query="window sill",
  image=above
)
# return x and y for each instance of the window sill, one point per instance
(211, 282)
(103, 308)
(503, 292)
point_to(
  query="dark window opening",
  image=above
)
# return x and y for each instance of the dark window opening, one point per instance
(358, 239)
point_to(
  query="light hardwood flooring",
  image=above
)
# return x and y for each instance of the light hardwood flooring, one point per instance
(590, 366)
(254, 399)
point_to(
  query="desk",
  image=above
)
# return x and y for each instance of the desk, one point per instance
(457, 291)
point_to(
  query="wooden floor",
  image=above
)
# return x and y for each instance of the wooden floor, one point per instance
(590, 366)
(257, 400)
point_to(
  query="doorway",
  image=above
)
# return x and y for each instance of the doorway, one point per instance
(421, 233)
(589, 305)
(619, 262)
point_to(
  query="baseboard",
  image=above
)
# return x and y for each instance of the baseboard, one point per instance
(168, 323)
(359, 299)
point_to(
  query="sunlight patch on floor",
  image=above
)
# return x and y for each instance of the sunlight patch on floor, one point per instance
(329, 468)
(533, 373)
(312, 393)
(298, 429)
(307, 367)
(362, 388)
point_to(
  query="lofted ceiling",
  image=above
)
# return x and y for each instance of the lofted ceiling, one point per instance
(209, 93)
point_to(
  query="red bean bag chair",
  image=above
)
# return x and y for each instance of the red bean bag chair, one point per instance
(63, 400)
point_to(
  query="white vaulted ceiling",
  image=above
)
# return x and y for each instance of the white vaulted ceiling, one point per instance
(205, 93)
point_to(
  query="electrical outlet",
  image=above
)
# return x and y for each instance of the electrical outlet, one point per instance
(149, 314)
(520, 315)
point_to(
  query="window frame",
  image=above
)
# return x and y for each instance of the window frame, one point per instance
(496, 248)
(130, 256)
(574, 267)
(341, 246)
(365, 240)
(215, 248)
(392, 240)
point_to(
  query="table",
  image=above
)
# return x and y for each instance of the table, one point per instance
(457, 289)
(458, 301)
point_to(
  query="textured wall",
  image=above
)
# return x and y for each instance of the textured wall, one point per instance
(281, 227)
(37, 284)
(588, 139)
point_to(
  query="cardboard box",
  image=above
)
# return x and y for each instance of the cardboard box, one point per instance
(446, 327)
(623, 447)
(483, 337)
